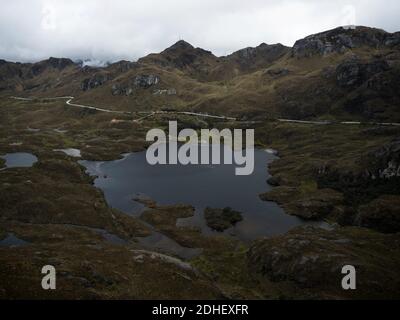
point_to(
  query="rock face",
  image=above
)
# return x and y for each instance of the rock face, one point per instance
(378, 174)
(95, 81)
(393, 40)
(382, 214)
(313, 258)
(121, 89)
(146, 81)
(385, 162)
(221, 219)
(140, 81)
(354, 73)
(340, 40)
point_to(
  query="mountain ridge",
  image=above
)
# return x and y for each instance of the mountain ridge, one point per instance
(347, 73)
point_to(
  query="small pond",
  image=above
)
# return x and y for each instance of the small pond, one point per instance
(19, 160)
(12, 241)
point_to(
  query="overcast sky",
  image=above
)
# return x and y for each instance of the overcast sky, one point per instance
(32, 30)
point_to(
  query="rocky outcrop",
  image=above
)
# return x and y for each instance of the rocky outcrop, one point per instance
(121, 89)
(313, 258)
(354, 73)
(94, 81)
(146, 80)
(384, 162)
(393, 40)
(221, 219)
(340, 40)
(129, 87)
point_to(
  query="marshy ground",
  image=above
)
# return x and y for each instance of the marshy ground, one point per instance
(63, 218)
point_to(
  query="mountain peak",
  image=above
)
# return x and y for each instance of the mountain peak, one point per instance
(59, 63)
(180, 45)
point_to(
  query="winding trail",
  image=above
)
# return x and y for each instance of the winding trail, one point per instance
(68, 102)
(149, 114)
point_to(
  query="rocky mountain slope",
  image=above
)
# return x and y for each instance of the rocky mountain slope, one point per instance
(341, 73)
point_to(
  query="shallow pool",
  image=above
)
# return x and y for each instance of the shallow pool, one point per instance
(19, 160)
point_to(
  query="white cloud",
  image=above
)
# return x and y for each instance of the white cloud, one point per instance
(128, 29)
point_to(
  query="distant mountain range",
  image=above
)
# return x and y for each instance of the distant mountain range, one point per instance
(341, 73)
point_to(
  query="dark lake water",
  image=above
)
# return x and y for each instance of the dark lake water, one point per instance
(12, 241)
(19, 159)
(215, 186)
